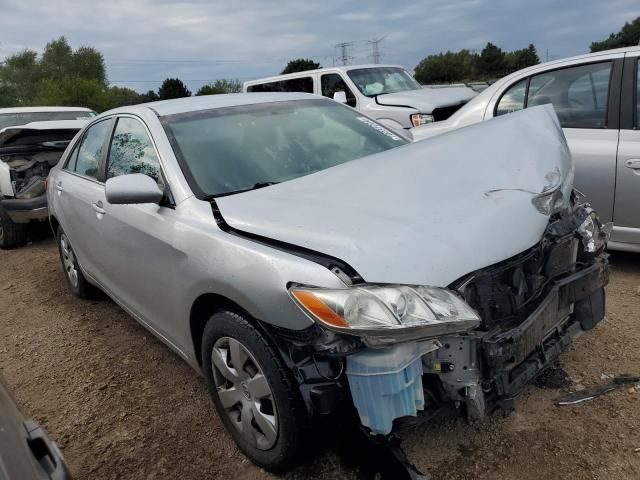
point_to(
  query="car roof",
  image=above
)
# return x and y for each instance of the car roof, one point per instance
(207, 102)
(340, 68)
(584, 56)
(43, 109)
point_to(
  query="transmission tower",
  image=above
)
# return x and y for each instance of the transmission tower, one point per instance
(344, 58)
(375, 44)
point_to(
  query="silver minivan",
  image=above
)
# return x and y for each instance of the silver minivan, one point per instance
(319, 269)
(597, 99)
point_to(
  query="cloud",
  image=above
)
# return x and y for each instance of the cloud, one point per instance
(200, 40)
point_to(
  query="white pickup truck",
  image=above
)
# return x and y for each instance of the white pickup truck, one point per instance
(387, 93)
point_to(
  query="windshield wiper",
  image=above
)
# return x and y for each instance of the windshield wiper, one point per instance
(233, 192)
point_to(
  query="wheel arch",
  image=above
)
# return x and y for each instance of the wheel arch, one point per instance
(201, 311)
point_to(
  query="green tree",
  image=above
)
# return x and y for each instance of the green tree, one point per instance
(220, 86)
(628, 36)
(120, 96)
(150, 96)
(519, 59)
(56, 59)
(300, 65)
(19, 79)
(491, 62)
(87, 62)
(173, 88)
(449, 67)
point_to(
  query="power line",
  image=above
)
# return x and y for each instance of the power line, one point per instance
(375, 44)
(344, 58)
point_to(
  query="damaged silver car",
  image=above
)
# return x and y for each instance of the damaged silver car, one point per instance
(321, 270)
(27, 154)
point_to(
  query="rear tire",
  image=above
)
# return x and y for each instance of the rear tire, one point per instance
(12, 234)
(247, 407)
(73, 273)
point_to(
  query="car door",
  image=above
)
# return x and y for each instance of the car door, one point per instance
(626, 215)
(137, 248)
(80, 189)
(586, 99)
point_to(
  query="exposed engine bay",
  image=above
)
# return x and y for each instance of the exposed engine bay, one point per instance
(29, 171)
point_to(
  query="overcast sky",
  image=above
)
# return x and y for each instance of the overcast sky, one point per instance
(145, 41)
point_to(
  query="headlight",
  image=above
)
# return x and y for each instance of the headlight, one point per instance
(385, 314)
(418, 119)
(594, 236)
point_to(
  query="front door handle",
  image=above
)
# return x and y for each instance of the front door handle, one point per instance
(633, 163)
(59, 186)
(97, 207)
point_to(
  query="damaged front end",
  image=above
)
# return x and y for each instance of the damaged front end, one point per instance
(469, 352)
(27, 154)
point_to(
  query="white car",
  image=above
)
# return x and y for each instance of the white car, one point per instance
(27, 154)
(597, 99)
(387, 93)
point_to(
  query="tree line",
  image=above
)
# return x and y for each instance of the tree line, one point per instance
(62, 76)
(66, 77)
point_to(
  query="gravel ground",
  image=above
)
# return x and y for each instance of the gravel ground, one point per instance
(123, 406)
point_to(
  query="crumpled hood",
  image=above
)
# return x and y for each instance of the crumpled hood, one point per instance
(428, 99)
(426, 213)
(38, 132)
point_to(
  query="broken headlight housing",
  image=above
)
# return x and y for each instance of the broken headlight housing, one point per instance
(593, 234)
(384, 314)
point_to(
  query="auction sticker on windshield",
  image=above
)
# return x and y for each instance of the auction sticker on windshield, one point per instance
(380, 128)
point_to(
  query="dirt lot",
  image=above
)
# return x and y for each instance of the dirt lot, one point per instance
(123, 406)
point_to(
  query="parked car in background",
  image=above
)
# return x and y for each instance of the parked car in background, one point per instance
(387, 93)
(597, 99)
(27, 153)
(10, 117)
(309, 261)
(26, 451)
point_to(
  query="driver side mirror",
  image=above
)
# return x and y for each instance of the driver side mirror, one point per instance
(340, 97)
(132, 189)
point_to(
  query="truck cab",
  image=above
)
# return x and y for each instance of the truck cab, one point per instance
(387, 93)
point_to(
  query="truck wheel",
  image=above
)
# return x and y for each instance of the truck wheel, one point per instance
(254, 394)
(12, 235)
(72, 272)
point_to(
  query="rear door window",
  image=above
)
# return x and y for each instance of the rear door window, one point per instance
(302, 84)
(637, 122)
(331, 83)
(579, 94)
(89, 154)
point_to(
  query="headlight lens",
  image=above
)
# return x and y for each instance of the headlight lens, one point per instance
(418, 119)
(368, 310)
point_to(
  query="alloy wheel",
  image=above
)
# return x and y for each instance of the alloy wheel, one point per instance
(68, 261)
(244, 393)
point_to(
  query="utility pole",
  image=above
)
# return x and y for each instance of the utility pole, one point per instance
(344, 57)
(375, 44)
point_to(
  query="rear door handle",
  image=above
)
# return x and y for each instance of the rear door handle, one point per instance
(97, 207)
(633, 163)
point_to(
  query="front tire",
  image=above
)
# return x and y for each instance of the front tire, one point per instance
(12, 234)
(254, 394)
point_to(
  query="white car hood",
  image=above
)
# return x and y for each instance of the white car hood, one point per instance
(426, 213)
(34, 129)
(428, 99)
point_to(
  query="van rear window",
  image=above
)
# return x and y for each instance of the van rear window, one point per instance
(302, 84)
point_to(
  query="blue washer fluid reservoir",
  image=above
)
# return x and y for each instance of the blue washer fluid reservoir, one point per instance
(386, 383)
